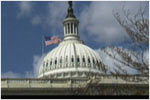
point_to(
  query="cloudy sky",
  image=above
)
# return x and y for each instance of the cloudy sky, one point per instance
(25, 23)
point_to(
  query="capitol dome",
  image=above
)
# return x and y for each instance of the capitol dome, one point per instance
(72, 58)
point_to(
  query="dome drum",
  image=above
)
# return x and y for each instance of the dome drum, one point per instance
(72, 73)
(71, 37)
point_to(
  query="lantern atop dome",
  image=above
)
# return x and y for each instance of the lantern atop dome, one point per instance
(71, 25)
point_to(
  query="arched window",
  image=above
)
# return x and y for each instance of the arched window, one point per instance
(83, 59)
(78, 60)
(60, 60)
(55, 61)
(72, 59)
(93, 61)
(51, 63)
(66, 58)
(88, 60)
(43, 63)
(46, 64)
(97, 63)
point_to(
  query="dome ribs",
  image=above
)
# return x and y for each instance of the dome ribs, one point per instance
(64, 59)
(93, 56)
(74, 59)
(75, 54)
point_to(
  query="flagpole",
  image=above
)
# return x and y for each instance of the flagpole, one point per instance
(42, 45)
(43, 52)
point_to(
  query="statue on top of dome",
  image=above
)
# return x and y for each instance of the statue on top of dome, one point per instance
(70, 10)
(70, 4)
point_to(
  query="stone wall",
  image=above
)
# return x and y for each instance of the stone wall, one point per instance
(103, 85)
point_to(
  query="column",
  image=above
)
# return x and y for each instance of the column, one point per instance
(76, 30)
(70, 27)
(73, 28)
(67, 28)
(64, 30)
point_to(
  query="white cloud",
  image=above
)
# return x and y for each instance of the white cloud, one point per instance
(36, 20)
(11, 75)
(98, 22)
(146, 56)
(53, 18)
(37, 61)
(25, 8)
(96, 19)
(56, 13)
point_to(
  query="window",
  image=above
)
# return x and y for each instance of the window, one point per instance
(55, 61)
(78, 60)
(60, 60)
(97, 63)
(73, 73)
(66, 58)
(46, 64)
(93, 61)
(71, 28)
(59, 75)
(88, 60)
(83, 59)
(43, 63)
(68, 28)
(80, 73)
(72, 59)
(51, 63)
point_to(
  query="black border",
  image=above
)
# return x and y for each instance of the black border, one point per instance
(72, 97)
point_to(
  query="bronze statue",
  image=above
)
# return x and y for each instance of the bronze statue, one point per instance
(70, 4)
(70, 10)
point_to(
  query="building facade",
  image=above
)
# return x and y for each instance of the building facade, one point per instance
(101, 85)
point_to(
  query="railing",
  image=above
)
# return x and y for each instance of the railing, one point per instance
(67, 83)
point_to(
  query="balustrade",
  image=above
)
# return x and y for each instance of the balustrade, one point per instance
(26, 83)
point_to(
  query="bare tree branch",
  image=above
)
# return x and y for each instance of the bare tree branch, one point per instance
(137, 27)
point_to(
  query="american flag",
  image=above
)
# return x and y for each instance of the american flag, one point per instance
(51, 40)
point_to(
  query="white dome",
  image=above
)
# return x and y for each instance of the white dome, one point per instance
(71, 58)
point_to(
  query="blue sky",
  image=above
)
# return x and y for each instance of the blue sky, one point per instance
(25, 23)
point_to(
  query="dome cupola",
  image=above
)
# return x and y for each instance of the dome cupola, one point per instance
(70, 24)
(71, 58)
